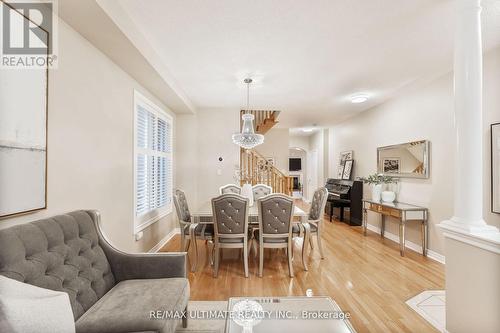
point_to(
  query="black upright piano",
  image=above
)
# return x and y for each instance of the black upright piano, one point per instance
(345, 194)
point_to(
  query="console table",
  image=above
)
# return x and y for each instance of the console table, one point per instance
(402, 211)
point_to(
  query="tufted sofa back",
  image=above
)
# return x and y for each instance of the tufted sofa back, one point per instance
(60, 253)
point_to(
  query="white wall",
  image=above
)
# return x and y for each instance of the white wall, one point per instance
(90, 142)
(472, 288)
(299, 141)
(331, 170)
(215, 128)
(318, 144)
(491, 114)
(276, 144)
(423, 113)
(187, 157)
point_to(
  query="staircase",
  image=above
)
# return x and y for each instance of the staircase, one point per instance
(264, 120)
(255, 168)
(419, 169)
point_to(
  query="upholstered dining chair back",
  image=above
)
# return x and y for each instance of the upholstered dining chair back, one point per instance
(181, 206)
(318, 204)
(261, 190)
(230, 189)
(230, 213)
(275, 215)
(275, 226)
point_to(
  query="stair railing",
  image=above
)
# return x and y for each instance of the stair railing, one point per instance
(256, 169)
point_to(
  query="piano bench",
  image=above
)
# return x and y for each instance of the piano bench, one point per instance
(341, 204)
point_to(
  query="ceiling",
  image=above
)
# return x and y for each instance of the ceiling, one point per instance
(306, 57)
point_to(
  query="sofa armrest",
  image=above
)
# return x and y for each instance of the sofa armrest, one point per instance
(127, 266)
(146, 265)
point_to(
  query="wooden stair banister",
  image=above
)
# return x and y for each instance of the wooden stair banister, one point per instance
(256, 169)
(264, 120)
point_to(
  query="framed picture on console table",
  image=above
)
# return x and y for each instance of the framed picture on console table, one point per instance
(340, 171)
(347, 169)
(495, 168)
(343, 157)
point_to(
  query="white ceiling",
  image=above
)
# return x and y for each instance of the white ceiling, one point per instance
(306, 56)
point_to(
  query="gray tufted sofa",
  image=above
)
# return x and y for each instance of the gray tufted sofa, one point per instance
(110, 291)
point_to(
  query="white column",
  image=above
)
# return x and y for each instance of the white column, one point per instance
(468, 68)
(472, 247)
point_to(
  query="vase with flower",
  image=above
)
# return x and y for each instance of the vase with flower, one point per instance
(377, 182)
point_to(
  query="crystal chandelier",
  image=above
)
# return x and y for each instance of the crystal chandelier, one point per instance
(248, 139)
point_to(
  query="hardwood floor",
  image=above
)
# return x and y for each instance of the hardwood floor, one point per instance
(365, 275)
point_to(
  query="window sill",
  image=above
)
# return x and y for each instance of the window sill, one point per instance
(142, 224)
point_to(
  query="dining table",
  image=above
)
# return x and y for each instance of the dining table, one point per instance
(203, 215)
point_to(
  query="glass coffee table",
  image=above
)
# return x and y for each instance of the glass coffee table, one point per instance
(286, 314)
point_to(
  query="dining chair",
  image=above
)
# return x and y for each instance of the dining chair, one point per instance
(261, 190)
(275, 226)
(315, 218)
(191, 231)
(230, 188)
(230, 213)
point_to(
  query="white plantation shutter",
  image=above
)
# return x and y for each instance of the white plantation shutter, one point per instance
(153, 154)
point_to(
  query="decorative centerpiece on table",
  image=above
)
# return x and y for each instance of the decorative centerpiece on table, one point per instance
(247, 313)
(243, 177)
(378, 181)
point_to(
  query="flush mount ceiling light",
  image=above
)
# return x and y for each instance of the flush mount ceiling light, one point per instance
(248, 139)
(307, 130)
(359, 98)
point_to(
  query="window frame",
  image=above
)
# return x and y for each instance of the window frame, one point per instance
(146, 219)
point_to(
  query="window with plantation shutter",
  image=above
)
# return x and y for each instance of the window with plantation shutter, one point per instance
(153, 162)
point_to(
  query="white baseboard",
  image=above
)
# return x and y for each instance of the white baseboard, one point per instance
(165, 240)
(412, 246)
(436, 256)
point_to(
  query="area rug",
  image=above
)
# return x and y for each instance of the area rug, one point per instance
(201, 325)
(431, 305)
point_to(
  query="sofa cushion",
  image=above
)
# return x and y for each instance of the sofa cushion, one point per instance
(127, 307)
(29, 309)
(61, 253)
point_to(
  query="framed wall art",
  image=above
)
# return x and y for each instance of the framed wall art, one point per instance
(392, 165)
(23, 137)
(347, 169)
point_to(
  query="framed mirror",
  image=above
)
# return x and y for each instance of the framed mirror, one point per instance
(406, 160)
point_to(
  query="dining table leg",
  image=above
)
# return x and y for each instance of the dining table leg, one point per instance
(307, 232)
